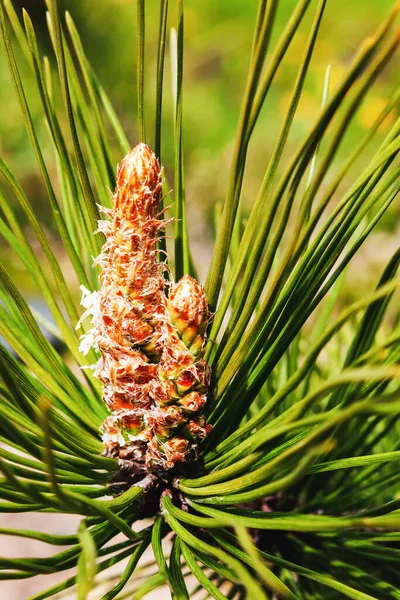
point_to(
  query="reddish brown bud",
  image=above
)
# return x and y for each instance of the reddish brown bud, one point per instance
(189, 312)
(149, 345)
(164, 420)
(137, 194)
(196, 376)
(163, 392)
(197, 427)
(192, 402)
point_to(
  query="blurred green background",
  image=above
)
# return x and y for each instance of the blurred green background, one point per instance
(218, 36)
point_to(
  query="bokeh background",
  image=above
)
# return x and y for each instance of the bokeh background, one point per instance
(218, 36)
(218, 39)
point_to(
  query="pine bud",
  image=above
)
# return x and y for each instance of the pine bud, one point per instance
(189, 313)
(150, 347)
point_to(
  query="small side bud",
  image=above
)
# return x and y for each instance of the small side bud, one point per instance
(189, 312)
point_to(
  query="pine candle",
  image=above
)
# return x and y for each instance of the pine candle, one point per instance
(155, 380)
